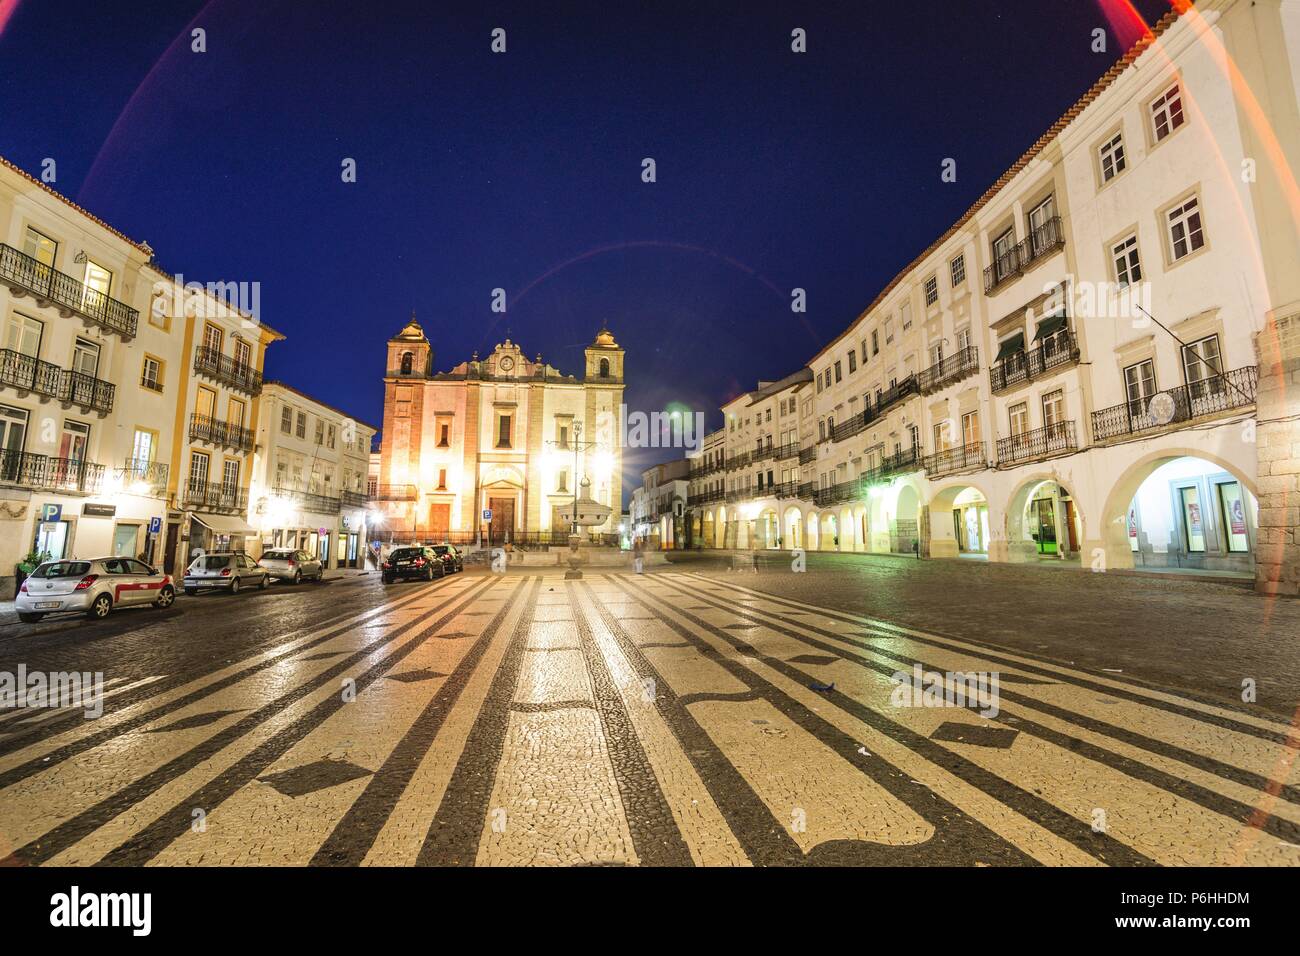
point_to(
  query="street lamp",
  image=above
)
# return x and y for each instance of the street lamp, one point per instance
(578, 445)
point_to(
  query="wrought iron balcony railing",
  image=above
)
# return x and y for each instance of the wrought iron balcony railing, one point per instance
(213, 496)
(763, 453)
(876, 408)
(950, 369)
(152, 474)
(1218, 393)
(807, 454)
(395, 493)
(21, 371)
(20, 271)
(705, 497)
(42, 472)
(1040, 243)
(738, 461)
(1055, 351)
(310, 501)
(806, 490)
(788, 450)
(1037, 444)
(216, 432)
(353, 499)
(224, 369)
(700, 470)
(961, 458)
(785, 489)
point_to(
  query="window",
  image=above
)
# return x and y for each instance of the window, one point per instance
(151, 374)
(936, 352)
(320, 432)
(931, 290)
(1003, 247)
(408, 363)
(562, 480)
(40, 247)
(1041, 235)
(442, 479)
(23, 335)
(853, 362)
(1019, 417)
(235, 413)
(1111, 156)
(205, 403)
(243, 356)
(905, 316)
(957, 269)
(889, 331)
(820, 386)
(330, 437)
(970, 428)
(604, 368)
(838, 373)
(230, 476)
(1128, 267)
(1139, 386)
(963, 339)
(1054, 409)
(1185, 233)
(301, 430)
(212, 339)
(821, 430)
(940, 436)
(503, 431)
(444, 434)
(142, 445)
(198, 471)
(1167, 112)
(1202, 367)
(875, 342)
(85, 358)
(286, 420)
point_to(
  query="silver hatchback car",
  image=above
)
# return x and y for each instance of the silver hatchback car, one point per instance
(289, 564)
(94, 587)
(225, 570)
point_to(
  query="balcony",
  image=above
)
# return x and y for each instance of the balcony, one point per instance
(27, 374)
(222, 368)
(961, 458)
(213, 496)
(353, 499)
(1057, 350)
(946, 371)
(700, 470)
(738, 461)
(1218, 393)
(877, 409)
(763, 453)
(395, 493)
(219, 433)
(309, 501)
(1046, 442)
(151, 475)
(49, 286)
(705, 497)
(1013, 263)
(785, 489)
(808, 454)
(50, 474)
(787, 451)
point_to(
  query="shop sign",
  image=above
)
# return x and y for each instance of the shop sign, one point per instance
(98, 511)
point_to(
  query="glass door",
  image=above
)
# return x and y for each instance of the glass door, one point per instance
(13, 431)
(1232, 512)
(1193, 519)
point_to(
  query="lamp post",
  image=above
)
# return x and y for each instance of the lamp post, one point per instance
(578, 445)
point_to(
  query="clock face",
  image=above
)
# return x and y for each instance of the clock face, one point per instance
(506, 363)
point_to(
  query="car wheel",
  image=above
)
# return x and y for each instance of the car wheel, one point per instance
(29, 617)
(428, 573)
(100, 607)
(264, 583)
(190, 592)
(388, 579)
(166, 596)
(234, 585)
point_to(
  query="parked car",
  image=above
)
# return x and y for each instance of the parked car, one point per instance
(287, 564)
(452, 558)
(413, 562)
(95, 587)
(228, 570)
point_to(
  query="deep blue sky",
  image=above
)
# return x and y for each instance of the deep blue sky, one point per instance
(477, 170)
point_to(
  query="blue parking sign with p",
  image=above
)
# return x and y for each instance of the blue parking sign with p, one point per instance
(51, 512)
(155, 524)
(487, 514)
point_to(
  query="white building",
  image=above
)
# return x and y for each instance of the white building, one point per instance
(310, 478)
(1070, 372)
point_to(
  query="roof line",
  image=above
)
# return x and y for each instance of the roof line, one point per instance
(1106, 79)
(301, 394)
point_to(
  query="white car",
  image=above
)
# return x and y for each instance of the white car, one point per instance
(224, 570)
(94, 587)
(289, 564)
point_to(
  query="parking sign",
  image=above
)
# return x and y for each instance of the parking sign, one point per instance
(155, 524)
(487, 514)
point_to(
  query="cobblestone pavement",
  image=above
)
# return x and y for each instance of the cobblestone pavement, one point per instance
(691, 716)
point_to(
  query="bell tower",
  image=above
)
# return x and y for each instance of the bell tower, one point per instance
(604, 359)
(409, 353)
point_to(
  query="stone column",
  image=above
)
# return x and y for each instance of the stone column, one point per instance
(1277, 544)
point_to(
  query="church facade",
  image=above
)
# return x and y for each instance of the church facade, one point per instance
(496, 446)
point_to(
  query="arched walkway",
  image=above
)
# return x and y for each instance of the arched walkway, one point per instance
(792, 535)
(1181, 508)
(1043, 521)
(814, 537)
(959, 521)
(830, 532)
(767, 529)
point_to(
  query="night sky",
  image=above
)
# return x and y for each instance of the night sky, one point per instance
(523, 170)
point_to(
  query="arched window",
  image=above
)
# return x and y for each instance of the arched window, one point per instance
(604, 368)
(408, 360)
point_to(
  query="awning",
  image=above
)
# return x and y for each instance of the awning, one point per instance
(1010, 346)
(1050, 325)
(224, 524)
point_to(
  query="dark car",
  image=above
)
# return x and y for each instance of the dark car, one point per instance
(452, 559)
(415, 562)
